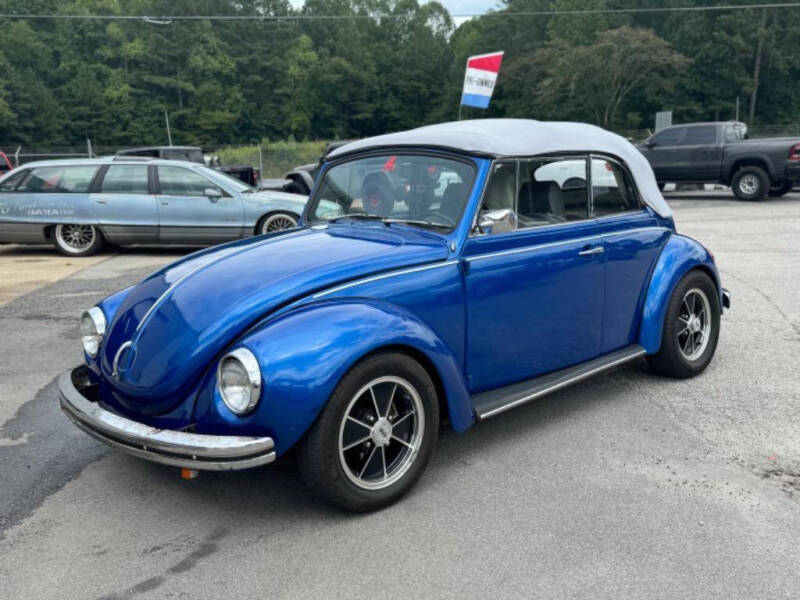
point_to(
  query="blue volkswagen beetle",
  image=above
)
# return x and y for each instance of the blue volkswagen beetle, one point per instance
(448, 273)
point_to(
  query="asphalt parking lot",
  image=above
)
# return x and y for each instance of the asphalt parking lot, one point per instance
(625, 486)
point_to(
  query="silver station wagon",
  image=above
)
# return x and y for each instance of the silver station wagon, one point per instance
(78, 205)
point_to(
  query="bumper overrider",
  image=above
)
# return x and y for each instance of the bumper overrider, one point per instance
(176, 448)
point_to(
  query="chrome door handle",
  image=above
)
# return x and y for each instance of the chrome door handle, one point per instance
(592, 251)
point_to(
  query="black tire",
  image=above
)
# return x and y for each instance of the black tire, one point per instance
(671, 359)
(751, 183)
(75, 239)
(326, 470)
(297, 188)
(378, 199)
(781, 188)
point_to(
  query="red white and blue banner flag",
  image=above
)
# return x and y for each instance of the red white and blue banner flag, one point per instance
(480, 78)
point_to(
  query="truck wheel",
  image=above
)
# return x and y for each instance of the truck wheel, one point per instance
(74, 239)
(691, 328)
(751, 183)
(297, 188)
(375, 436)
(781, 188)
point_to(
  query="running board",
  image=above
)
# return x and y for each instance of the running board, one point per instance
(494, 402)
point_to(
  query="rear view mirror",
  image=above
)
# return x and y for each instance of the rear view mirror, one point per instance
(212, 194)
(498, 221)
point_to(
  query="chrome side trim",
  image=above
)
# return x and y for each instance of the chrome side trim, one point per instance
(561, 243)
(634, 352)
(356, 282)
(168, 447)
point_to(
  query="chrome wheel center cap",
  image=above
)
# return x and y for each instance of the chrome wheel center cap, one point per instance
(694, 324)
(381, 432)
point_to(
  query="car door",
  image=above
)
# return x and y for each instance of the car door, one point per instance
(704, 153)
(534, 295)
(663, 152)
(122, 198)
(632, 238)
(189, 213)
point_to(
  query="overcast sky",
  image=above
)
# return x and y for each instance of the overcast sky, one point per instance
(456, 7)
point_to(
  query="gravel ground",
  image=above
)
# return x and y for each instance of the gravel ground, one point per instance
(625, 486)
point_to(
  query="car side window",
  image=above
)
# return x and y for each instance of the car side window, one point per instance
(125, 179)
(612, 188)
(701, 135)
(500, 189)
(179, 181)
(667, 137)
(12, 182)
(552, 190)
(59, 180)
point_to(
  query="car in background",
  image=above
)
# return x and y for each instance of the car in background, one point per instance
(5, 164)
(720, 152)
(300, 180)
(250, 175)
(78, 205)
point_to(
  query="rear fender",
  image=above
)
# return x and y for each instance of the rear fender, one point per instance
(304, 354)
(679, 256)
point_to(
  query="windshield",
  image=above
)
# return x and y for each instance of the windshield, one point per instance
(237, 184)
(425, 191)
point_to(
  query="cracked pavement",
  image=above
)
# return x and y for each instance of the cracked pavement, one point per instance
(627, 485)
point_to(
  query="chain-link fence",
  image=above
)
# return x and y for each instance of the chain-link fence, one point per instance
(277, 158)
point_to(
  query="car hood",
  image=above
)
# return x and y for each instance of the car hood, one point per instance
(180, 318)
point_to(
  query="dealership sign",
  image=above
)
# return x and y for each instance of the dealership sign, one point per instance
(480, 78)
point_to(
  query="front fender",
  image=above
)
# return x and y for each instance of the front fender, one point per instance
(680, 255)
(304, 354)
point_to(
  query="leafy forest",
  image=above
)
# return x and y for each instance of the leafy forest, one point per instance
(397, 65)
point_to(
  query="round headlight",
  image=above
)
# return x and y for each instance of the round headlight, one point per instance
(239, 381)
(93, 328)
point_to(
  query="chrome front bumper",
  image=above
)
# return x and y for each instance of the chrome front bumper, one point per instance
(176, 448)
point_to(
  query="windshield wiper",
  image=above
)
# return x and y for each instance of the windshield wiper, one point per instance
(362, 216)
(420, 223)
(388, 221)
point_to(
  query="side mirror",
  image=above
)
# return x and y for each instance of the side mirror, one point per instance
(498, 221)
(649, 145)
(212, 194)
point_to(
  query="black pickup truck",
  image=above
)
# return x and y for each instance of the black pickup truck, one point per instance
(722, 153)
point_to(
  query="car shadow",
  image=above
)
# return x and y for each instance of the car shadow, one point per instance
(282, 494)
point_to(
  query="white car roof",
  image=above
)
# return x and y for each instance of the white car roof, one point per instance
(522, 137)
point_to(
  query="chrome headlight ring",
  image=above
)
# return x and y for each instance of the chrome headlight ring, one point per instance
(239, 381)
(93, 329)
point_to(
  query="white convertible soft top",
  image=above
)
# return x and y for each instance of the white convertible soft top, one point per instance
(522, 137)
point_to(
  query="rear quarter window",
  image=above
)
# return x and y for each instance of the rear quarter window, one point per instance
(59, 180)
